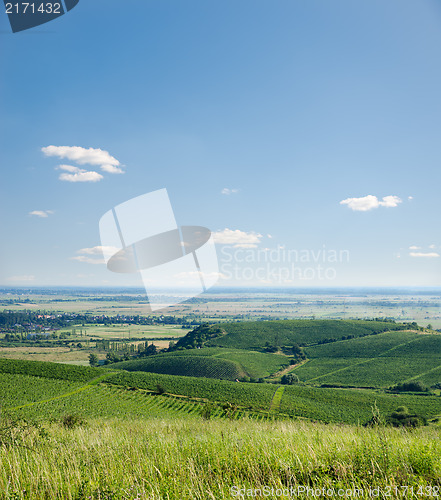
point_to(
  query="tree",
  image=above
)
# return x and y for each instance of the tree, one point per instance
(93, 360)
(290, 379)
(151, 350)
(401, 417)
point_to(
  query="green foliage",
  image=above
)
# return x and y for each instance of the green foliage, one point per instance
(192, 366)
(413, 386)
(253, 396)
(350, 405)
(375, 361)
(193, 458)
(290, 379)
(199, 336)
(49, 370)
(228, 364)
(401, 417)
(93, 360)
(255, 334)
(72, 420)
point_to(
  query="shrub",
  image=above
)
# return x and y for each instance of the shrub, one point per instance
(290, 379)
(416, 386)
(402, 418)
(70, 421)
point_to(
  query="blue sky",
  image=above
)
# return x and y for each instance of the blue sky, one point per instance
(258, 117)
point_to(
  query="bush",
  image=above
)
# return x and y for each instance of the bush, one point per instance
(410, 387)
(402, 418)
(290, 379)
(71, 421)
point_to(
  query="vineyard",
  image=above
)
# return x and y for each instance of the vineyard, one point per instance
(228, 364)
(49, 370)
(252, 396)
(376, 361)
(140, 395)
(352, 405)
(256, 334)
(47, 399)
(193, 366)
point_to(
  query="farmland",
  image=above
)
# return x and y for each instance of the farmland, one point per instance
(254, 335)
(196, 366)
(221, 363)
(422, 306)
(139, 394)
(375, 361)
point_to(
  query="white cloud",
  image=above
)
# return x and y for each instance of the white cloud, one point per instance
(414, 247)
(228, 191)
(88, 260)
(198, 274)
(95, 255)
(269, 236)
(410, 198)
(41, 213)
(27, 277)
(77, 174)
(237, 238)
(391, 201)
(111, 169)
(83, 156)
(432, 247)
(370, 202)
(99, 250)
(429, 255)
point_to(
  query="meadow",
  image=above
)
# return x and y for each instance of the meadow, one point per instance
(194, 458)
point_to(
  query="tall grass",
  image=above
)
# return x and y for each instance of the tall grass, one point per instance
(204, 459)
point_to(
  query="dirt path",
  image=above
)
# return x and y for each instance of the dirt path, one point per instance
(288, 369)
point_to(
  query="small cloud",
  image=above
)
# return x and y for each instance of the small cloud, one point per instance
(229, 191)
(99, 250)
(41, 213)
(269, 236)
(414, 247)
(95, 255)
(390, 201)
(88, 260)
(26, 277)
(432, 247)
(410, 198)
(237, 238)
(78, 174)
(370, 202)
(199, 274)
(426, 255)
(86, 156)
(111, 169)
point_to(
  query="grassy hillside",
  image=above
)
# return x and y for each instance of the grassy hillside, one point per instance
(193, 459)
(135, 394)
(49, 370)
(193, 366)
(375, 361)
(229, 364)
(255, 335)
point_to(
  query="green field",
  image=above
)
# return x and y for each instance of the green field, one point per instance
(255, 334)
(119, 393)
(375, 361)
(220, 363)
(92, 433)
(194, 366)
